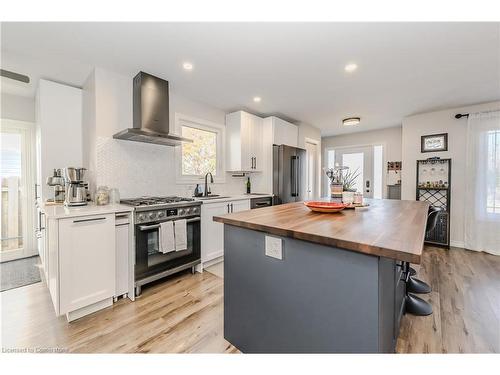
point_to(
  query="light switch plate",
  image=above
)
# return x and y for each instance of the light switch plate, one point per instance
(274, 247)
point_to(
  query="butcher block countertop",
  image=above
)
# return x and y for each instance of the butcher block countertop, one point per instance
(388, 228)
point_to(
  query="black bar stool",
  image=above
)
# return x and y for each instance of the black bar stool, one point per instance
(416, 305)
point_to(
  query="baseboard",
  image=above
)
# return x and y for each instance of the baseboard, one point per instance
(460, 244)
(213, 261)
(77, 314)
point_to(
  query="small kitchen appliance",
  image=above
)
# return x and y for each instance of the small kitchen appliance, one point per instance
(57, 182)
(76, 187)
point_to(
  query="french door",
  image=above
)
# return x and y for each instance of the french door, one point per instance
(17, 181)
(360, 161)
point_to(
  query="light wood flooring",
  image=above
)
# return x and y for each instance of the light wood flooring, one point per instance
(185, 314)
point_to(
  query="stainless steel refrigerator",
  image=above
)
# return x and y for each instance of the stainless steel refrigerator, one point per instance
(289, 174)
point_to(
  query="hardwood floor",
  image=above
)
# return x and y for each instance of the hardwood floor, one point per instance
(185, 314)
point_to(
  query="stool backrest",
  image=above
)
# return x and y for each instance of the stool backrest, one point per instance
(432, 218)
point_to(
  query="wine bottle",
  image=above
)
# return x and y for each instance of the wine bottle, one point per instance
(249, 186)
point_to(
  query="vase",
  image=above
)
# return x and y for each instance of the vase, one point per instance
(335, 190)
(347, 197)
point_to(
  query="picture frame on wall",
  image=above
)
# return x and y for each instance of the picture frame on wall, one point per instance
(434, 142)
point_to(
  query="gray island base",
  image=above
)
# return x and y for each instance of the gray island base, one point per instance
(316, 299)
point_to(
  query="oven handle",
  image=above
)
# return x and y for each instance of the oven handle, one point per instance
(156, 226)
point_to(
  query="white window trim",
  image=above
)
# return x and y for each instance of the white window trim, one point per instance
(181, 119)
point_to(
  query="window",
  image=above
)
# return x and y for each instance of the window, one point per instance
(200, 156)
(493, 175)
(204, 154)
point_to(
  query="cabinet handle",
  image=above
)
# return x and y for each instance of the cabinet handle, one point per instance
(41, 228)
(255, 162)
(85, 220)
(36, 192)
(228, 208)
(231, 207)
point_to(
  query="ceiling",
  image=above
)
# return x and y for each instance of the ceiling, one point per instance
(296, 68)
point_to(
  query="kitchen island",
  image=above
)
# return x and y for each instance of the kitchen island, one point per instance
(296, 281)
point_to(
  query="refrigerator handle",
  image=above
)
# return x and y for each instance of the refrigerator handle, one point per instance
(293, 176)
(297, 176)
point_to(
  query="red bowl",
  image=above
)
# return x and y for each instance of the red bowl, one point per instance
(327, 207)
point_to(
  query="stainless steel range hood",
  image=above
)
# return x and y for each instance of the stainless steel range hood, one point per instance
(151, 113)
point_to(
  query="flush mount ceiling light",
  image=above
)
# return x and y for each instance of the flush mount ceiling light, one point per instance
(257, 99)
(351, 121)
(349, 68)
(187, 66)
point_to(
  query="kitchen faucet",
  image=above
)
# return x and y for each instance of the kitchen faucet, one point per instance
(207, 190)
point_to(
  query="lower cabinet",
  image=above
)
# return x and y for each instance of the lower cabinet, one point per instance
(212, 233)
(86, 262)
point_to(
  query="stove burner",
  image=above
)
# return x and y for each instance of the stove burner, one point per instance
(151, 201)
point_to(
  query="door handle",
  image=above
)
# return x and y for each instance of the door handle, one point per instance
(87, 220)
(147, 227)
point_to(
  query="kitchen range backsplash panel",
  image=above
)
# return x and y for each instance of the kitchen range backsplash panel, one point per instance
(139, 169)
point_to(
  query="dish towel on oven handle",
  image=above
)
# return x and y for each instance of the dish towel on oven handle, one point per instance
(167, 237)
(180, 235)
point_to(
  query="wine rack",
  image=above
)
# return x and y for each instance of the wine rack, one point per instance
(434, 186)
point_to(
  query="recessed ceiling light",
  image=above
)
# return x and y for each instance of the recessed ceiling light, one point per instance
(187, 66)
(349, 68)
(257, 99)
(351, 121)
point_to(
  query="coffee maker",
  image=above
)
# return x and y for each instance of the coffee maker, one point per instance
(76, 187)
(57, 182)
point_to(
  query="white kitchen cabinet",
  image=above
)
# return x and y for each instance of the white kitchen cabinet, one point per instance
(244, 142)
(86, 264)
(58, 131)
(282, 132)
(212, 233)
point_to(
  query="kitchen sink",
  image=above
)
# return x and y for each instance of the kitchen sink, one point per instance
(212, 197)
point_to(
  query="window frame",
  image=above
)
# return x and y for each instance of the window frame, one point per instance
(197, 123)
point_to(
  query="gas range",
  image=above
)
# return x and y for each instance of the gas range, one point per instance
(153, 209)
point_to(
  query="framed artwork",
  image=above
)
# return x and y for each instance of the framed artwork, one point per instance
(434, 143)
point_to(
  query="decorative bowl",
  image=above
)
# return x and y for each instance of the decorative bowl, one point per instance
(325, 207)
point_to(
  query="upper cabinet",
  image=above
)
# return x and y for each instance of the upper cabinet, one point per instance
(283, 132)
(59, 131)
(244, 142)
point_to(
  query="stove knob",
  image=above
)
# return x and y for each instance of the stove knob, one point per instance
(161, 213)
(141, 217)
(196, 210)
(181, 211)
(152, 215)
(188, 211)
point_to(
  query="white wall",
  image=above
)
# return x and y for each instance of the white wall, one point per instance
(136, 168)
(390, 138)
(440, 122)
(16, 107)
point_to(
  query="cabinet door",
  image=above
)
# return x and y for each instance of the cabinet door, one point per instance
(237, 206)
(257, 143)
(212, 233)
(122, 255)
(246, 142)
(86, 260)
(285, 133)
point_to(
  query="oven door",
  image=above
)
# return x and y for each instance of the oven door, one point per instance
(150, 260)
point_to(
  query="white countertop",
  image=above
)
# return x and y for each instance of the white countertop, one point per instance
(228, 198)
(61, 211)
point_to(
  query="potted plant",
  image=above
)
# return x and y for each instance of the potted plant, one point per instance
(335, 177)
(349, 185)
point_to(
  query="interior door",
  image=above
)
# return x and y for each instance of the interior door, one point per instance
(358, 159)
(312, 167)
